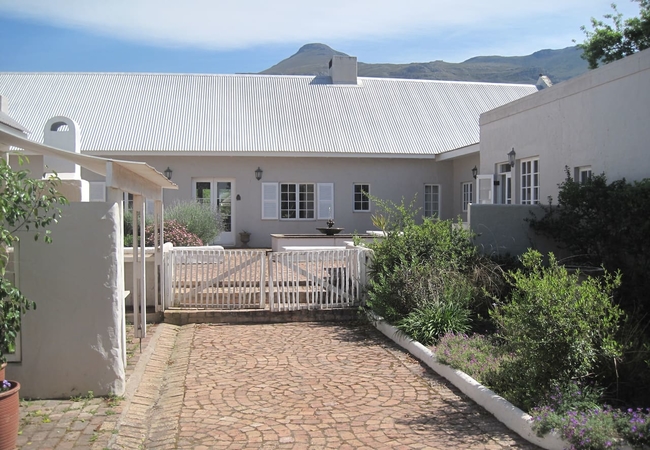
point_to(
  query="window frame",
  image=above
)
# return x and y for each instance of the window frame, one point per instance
(298, 200)
(580, 170)
(467, 190)
(426, 201)
(529, 180)
(364, 200)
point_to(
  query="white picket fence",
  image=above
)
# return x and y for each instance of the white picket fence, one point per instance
(203, 277)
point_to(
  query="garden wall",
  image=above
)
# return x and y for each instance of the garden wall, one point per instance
(74, 341)
(502, 230)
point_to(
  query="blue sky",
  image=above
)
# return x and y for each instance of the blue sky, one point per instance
(248, 36)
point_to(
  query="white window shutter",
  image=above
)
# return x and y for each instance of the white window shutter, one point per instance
(269, 201)
(97, 191)
(325, 201)
(484, 188)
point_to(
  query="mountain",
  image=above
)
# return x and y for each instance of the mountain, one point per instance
(558, 65)
(311, 59)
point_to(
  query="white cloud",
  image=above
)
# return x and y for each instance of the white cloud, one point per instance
(231, 24)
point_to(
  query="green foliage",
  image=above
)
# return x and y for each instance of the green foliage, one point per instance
(608, 224)
(410, 264)
(607, 43)
(29, 204)
(558, 327)
(605, 224)
(199, 219)
(426, 325)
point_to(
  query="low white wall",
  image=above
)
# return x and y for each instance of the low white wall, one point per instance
(149, 274)
(505, 412)
(72, 343)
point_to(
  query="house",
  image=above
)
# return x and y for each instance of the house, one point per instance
(277, 154)
(595, 123)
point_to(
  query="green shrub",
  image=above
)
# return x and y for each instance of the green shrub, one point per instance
(428, 324)
(199, 219)
(605, 224)
(406, 270)
(558, 327)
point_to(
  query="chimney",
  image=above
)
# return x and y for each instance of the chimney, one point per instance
(543, 82)
(343, 69)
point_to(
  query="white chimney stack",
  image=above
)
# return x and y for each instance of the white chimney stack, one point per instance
(343, 69)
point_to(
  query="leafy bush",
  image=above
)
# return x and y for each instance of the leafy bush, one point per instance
(558, 327)
(605, 224)
(406, 270)
(426, 325)
(175, 233)
(443, 307)
(199, 219)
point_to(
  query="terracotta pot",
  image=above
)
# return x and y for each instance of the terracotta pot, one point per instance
(9, 417)
(2, 371)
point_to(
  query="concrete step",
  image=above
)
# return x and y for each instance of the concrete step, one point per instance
(185, 316)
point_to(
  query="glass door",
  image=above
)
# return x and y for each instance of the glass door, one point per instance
(217, 194)
(224, 206)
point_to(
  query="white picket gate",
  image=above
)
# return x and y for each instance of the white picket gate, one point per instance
(202, 277)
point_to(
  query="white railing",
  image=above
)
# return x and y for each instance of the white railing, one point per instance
(315, 279)
(203, 277)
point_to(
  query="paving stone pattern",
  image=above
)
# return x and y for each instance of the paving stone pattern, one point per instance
(290, 386)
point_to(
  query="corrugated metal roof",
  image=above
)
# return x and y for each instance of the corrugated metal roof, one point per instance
(256, 113)
(8, 121)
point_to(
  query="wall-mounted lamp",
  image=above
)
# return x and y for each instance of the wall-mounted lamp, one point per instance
(474, 172)
(511, 157)
(168, 173)
(258, 173)
(238, 198)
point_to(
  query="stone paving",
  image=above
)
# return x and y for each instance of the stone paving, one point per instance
(282, 386)
(83, 422)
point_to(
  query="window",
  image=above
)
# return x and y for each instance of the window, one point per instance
(297, 201)
(361, 199)
(530, 182)
(583, 174)
(468, 189)
(431, 200)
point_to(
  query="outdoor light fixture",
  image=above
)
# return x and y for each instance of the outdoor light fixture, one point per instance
(168, 173)
(258, 173)
(474, 172)
(511, 157)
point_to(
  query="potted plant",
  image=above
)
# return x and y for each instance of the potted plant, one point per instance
(244, 237)
(25, 203)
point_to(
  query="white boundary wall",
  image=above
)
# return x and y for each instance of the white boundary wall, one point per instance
(73, 342)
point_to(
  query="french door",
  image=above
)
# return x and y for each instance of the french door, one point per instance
(218, 194)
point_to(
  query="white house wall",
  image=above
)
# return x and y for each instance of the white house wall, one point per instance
(389, 179)
(71, 343)
(599, 119)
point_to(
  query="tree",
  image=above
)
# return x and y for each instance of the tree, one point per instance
(607, 43)
(25, 203)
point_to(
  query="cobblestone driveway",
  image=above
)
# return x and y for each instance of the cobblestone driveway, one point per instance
(297, 386)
